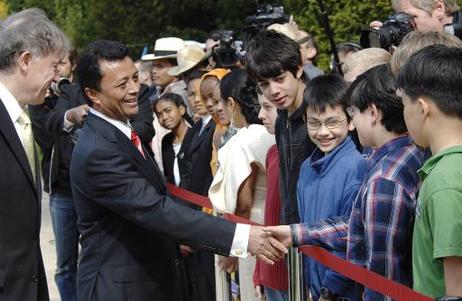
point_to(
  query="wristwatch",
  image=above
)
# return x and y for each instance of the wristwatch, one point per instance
(326, 293)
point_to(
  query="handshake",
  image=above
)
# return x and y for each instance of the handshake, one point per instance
(269, 244)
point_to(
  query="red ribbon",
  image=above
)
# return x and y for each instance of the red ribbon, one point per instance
(357, 273)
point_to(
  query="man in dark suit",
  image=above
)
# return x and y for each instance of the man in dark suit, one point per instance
(28, 63)
(128, 223)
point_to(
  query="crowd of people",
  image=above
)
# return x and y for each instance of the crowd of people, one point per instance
(364, 163)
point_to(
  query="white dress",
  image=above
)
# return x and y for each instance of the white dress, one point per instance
(249, 145)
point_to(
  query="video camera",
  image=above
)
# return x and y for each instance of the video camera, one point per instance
(225, 53)
(264, 17)
(229, 50)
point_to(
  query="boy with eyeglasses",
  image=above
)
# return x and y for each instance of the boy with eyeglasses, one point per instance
(379, 230)
(331, 177)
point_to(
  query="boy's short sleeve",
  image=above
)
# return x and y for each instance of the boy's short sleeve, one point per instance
(445, 217)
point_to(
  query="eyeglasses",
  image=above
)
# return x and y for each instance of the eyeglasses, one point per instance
(330, 124)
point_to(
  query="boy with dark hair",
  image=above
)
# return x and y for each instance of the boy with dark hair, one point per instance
(274, 60)
(431, 88)
(379, 227)
(331, 177)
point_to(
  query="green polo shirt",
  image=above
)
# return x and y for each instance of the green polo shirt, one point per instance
(438, 222)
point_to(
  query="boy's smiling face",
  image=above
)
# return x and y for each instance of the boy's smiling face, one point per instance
(328, 129)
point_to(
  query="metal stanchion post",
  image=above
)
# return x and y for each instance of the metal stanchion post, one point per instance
(296, 283)
(222, 280)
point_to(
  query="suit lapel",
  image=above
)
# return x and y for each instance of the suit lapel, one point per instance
(125, 147)
(197, 139)
(9, 132)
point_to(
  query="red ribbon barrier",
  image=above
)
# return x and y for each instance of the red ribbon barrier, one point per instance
(189, 196)
(357, 273)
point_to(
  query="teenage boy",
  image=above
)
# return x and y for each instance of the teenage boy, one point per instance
(274, 60)
(431, 88)
(380, 225)
(331, 177)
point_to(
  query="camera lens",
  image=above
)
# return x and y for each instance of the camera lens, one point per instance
(391, 33)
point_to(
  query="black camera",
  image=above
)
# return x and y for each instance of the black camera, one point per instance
(391, 33)
(56, 87)
(225, 54)
(264, 17)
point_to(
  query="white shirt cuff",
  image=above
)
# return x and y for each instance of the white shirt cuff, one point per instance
(67, 125)
(240, 241)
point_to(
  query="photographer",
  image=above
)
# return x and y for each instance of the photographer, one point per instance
(419, 15)
(39, 113)
(428, 15)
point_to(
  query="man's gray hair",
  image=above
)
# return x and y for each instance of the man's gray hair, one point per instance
(29, 30)
(451, 6)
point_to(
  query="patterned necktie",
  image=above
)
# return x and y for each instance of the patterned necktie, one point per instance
(137, 142)
(27, 140)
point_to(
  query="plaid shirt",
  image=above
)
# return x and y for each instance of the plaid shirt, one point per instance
(379, 233)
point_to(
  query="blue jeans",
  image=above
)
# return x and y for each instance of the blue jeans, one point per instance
(64, 221)
(276, 295)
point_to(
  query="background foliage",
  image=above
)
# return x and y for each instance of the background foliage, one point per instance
(141, 22)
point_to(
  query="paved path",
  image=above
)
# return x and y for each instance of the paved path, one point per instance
(47, 241)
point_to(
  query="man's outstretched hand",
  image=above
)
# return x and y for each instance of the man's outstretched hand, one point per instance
(281, 233)
(264, 246)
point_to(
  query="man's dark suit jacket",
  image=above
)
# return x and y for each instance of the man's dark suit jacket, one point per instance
(199, 155)
(128, 223)
(22, 276)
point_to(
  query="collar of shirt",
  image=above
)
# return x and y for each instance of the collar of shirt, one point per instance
(298, 113)
(124, 127)
(322, 162)
(205, 120)
(11, 103)
(433, 161)
(393, 144)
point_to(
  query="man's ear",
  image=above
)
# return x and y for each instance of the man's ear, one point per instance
(24, 60)
(425, 107)
(351, 126)
(311, 53)
(376, 114)
(439, 10)
(93, 95)
(231, 104)
(182, 110)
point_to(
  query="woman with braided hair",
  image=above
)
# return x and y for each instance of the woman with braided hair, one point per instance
(239, 185)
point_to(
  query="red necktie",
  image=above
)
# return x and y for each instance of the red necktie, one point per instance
(137, 142)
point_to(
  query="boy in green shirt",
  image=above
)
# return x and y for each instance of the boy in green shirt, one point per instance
(431, 90)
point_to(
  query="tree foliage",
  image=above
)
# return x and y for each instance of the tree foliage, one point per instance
(3, 9)
(141, 22)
